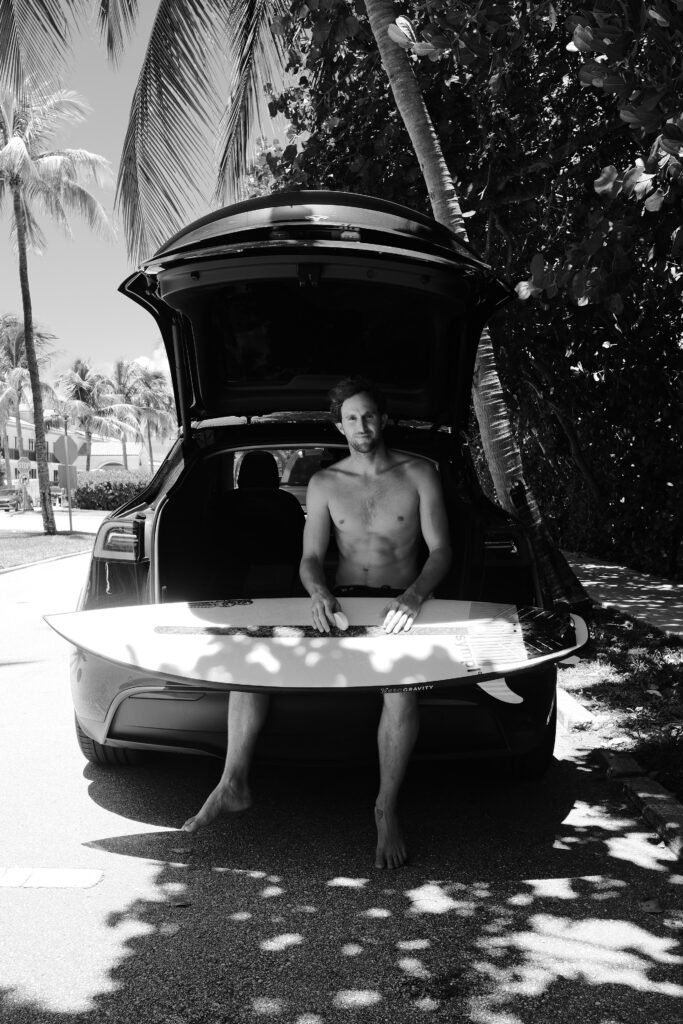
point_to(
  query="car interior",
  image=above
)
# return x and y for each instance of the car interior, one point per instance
(242, 538)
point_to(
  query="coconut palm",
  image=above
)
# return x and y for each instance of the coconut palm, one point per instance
(86, 398)
(35, 175)
(154, 405)
(15, 391)
(124, 383)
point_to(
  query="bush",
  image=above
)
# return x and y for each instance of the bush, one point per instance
(109, 490)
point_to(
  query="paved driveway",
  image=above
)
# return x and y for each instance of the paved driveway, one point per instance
(522, 904)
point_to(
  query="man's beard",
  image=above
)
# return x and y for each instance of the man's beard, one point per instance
(364, 446)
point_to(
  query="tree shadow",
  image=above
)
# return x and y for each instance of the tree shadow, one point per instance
(519, 900)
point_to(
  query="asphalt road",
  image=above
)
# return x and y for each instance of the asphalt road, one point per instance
(522, 903)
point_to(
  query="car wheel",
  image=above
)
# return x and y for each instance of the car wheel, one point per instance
(108, 757)
(534, 763)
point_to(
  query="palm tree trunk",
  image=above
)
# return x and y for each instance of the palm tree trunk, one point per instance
(149, 442)
(498, 440)
(32, 361)
(88, 448)
(124, 451)
(6, 455)
(17, 424)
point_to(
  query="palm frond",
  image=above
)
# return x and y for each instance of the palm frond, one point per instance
(165, 153)
(256, 57)
(116, 20)
(76, 164)
(49, 113)
(15, 159)
(35, 239)
(35, 38)
(74, 198)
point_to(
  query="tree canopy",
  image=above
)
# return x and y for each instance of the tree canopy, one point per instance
(591, 355)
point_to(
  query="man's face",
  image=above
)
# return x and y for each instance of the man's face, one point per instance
(361, 423)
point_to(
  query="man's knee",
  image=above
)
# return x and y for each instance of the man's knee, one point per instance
(400, 704)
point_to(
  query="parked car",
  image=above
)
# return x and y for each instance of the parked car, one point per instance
(9, 498)
(262, 307)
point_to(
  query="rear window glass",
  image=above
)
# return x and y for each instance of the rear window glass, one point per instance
(304, 468)
(279, 335)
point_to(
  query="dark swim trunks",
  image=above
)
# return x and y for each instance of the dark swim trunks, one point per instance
(356, 590)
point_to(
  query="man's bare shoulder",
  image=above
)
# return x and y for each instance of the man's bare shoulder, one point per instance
(419, 469)
(325, 479)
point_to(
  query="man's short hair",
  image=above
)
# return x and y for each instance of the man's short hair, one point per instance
(350, 386)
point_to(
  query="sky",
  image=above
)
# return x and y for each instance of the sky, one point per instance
(74, 282)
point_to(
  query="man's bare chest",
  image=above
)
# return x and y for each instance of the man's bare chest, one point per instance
(376, 507)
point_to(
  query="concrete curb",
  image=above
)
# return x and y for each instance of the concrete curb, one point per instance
(658, 806)
(570, 712)
(42, 561)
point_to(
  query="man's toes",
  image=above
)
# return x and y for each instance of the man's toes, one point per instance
(190, 825)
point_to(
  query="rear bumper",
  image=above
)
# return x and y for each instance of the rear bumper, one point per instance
(462, 722)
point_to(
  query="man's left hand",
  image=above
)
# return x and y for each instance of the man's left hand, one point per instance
(401, 612)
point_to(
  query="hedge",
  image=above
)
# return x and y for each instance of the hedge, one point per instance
(108, 490)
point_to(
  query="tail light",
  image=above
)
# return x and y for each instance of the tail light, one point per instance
(121, 541)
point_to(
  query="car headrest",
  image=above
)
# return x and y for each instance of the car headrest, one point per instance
(258, 469)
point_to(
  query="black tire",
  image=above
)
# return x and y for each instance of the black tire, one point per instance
(533, 764)
(106, 757)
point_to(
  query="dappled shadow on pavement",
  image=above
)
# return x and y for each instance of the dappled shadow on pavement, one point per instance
(520, 903)
(655, 600)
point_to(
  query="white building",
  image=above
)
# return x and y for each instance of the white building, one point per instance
(106, 452)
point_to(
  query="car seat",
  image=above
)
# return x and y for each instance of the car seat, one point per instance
(262, 531)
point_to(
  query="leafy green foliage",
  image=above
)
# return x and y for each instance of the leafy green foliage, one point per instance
(108, 491)
(555, 188)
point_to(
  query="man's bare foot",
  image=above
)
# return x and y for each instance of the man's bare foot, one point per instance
(391, 847)
(224, 799)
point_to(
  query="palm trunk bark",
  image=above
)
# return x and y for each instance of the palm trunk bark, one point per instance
(502, 454)
(88, 448)
(149, 442)
(32, 361)
(17, 424)
(6, 455)
(124, 451)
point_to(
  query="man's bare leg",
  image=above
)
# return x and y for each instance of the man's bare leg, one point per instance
(398, 728)
(246, 715)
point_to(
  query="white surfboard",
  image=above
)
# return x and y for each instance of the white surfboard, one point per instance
(270, 644)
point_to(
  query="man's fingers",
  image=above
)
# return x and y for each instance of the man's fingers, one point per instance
(398, 620)
(320, 620)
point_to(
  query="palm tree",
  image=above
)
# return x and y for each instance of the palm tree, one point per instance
(34, 173)
(154, 405)
(86, 399)
(125, 392)
(15, 390)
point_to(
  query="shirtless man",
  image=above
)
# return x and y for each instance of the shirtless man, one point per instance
(378, 502)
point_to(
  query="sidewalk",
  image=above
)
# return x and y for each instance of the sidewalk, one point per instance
(649, 598)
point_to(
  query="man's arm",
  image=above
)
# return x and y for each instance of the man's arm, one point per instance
(316, 539)
(434, 525)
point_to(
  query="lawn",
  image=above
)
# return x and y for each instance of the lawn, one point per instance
(20, 548)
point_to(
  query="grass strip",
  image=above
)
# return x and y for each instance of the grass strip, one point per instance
(631, 677)
(19, 548)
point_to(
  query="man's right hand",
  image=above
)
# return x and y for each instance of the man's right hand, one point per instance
(323, 606)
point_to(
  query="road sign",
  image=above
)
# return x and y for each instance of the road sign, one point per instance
(66, 449)
(24, 468)
(67, 477)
